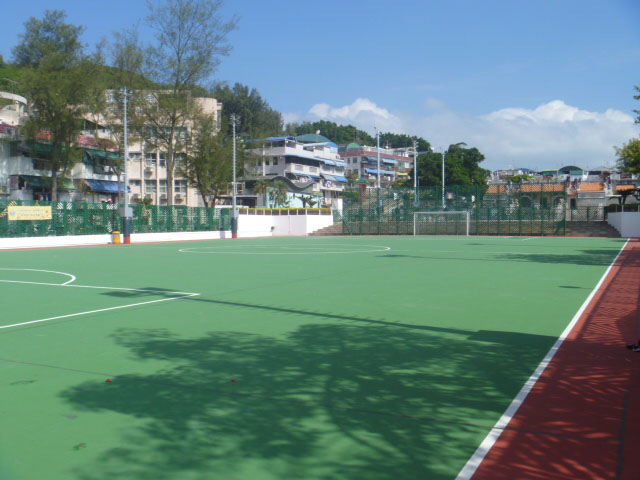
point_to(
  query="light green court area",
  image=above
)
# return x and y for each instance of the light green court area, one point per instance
(299, 358)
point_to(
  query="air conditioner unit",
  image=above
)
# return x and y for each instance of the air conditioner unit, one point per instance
(163, 196)
(135, 196)
(179, 196)
(148, 196)
(4, 189)
(148, 169)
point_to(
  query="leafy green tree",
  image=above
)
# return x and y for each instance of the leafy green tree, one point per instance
(340, 134)
(262, 188)
(278, 194)
(257, 118)
(191, 38)
(629, 156)
(48, 36)
(57, 81)
(461, 167)
(208, 163)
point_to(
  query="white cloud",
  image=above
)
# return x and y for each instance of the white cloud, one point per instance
(549, 136)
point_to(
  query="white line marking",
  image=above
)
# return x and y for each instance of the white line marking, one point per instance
(525, 239)
(73, 278)
(100, 288)
(481, 452)
(96, 311)
(287, 249)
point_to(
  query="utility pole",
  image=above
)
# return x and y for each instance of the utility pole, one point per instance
(443, 203)
(234, 213)
(127, 210)
(378, 149)
(415, 172)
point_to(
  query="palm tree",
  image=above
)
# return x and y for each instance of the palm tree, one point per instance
(262, 188)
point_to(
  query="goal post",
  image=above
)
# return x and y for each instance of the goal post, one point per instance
(441, 223)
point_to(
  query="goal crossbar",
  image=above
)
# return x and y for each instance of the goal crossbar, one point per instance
(455, 214)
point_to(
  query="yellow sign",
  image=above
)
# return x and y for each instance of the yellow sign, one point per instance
(29, 213)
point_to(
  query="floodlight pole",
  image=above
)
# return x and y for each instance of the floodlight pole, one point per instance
(234, 214)
(443, 204)
(378, 149)
(415, 171)
(127, 213)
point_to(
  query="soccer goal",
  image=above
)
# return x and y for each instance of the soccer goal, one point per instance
(441, 223)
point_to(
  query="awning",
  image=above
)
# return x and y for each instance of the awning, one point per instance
(374, 171)
(390, 161)
(105, 186)
(342, 179)
(329, 177)
(44, 183)
(102, 154)
(341, 164)
(327, 161)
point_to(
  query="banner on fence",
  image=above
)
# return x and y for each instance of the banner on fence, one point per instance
(17, 212)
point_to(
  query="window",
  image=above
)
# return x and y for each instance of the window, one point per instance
(162, 160)
(135, 156)
(297, 167)
(134, 183)
(163, 186)
(150, 159)
(150, 186)
(180, 186)
(313, 169)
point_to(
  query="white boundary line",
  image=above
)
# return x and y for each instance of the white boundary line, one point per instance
(73, 278)
(481, 452)
(96, 311)
(66, 284)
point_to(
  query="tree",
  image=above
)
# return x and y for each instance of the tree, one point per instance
(278, 194)
(629, 156)
(208, 163)
(56, 81)
(637, 97)
(461, 167)
(340, 134)
(262, 188)
(190, 40)
(48, 36)
(257, 118)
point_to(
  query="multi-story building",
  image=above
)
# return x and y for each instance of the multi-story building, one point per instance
(395, 163)
(25, 175)
(306, 160)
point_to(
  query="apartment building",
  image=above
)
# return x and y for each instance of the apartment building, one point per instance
(395, 163)
(24, 172)
(307, 160)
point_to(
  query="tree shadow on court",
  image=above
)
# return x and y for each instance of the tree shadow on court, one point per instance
(327, 401)
(603, 257)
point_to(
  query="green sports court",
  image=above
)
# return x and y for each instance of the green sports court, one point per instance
(308, 357)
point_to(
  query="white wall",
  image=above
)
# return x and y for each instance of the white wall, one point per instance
(248, 226)
(281, 225)
(627, 223)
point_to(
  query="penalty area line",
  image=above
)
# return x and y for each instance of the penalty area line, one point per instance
(489, 441)
(119, 307)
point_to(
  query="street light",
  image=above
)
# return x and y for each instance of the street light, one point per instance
(127, 213)
(443, 204)
(378, 149)
(234, 216)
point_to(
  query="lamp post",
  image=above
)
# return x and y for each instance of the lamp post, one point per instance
(378, 149)
(127, 210)
(234, 215)
(443, 201)
(415, 173)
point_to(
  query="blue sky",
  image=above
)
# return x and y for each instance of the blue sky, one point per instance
(539, 84)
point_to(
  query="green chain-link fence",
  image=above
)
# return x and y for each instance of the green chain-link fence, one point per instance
(74, 218)
(530, 209)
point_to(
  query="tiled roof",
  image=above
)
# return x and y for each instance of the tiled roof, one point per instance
(591, 187)
(625, 188)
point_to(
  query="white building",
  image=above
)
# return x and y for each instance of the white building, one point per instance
(395, 163)
(24, 173)
(306, 159)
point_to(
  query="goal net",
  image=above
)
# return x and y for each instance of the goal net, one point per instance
(441, 223)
